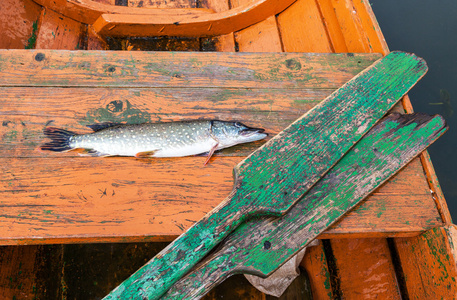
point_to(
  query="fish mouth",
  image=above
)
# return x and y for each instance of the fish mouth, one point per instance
(251, 131)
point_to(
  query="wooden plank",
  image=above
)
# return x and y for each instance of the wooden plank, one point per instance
(162, 3)
(355, 37)
(189, 24)
(18, 23)
(395, 74)
(178, 69)
(365, 269)
(370, 27)
(435, 188)
(260, 246)
(302, 30)
(88, 11)
(26, 111)
(315, 264)
(226, 42)
(401, 206)
(429, 263)
(260, 37)
(94, 41)
(332, 26)
(58, 32)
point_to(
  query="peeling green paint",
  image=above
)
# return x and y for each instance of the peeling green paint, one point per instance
(33, 37)
(321, 133)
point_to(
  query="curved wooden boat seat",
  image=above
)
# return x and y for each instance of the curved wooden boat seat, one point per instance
(192, 22)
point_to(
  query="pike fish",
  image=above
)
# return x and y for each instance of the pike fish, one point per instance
(170, 139)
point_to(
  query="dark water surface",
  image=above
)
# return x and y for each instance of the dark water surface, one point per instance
(429, 29)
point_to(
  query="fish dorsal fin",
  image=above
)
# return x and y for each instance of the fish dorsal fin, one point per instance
(100, 126)
(145, 154)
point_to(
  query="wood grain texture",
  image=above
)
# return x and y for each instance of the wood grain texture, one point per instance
(88, 11)
(261, 246)
(302, 29)
(25, 113)
(58, 32)
(316, 265)
(402, 205)
(189, 23)
(365, 269)
(288, 167)
(177, 69)
(260, 37)
(428, 263)
(18, 24)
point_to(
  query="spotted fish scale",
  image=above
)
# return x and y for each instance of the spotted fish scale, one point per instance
(171, 139)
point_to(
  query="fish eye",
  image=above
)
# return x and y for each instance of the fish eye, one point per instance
(238, 124)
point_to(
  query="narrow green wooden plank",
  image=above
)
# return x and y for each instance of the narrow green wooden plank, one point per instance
(274, 177)
(260, 246)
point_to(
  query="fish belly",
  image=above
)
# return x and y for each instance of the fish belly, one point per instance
(131, 147)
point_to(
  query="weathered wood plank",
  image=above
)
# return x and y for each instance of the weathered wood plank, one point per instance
(364, 269)
(358, 104)
(351, 27)
(401, 206)
(316, 265)
(75, 209)
(25, 111)
(302, 30)
(259, 246)
(177, 69)
(189, 24)
(429, 264)
(18, 24)
(58, 32)
(260, 37)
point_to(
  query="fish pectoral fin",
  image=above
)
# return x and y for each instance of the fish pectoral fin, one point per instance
(146, 154)
(210, 153)
(89, 152)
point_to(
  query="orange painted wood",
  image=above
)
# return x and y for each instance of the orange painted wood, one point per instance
(88, 11)
(364, 269)
(162, 3)
(260, 37)
(302, 30)
(369, 25)
(315, 264)
(95, 41)
(189, 24)
(18, 23)
(178, 69)
(355, 37)
(58, 32)
(226, 42)
(128, 21)
(74, 207)
(332, 26)
(435, 188)
(428, 263)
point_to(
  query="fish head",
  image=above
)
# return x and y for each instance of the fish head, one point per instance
(233, 133)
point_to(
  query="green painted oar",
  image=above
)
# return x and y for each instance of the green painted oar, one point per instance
(261, 245)
(274, 177)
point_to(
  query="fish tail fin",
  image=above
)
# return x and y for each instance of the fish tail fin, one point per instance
(60, 139)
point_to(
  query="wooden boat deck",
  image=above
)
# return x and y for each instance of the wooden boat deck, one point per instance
(358, 256)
